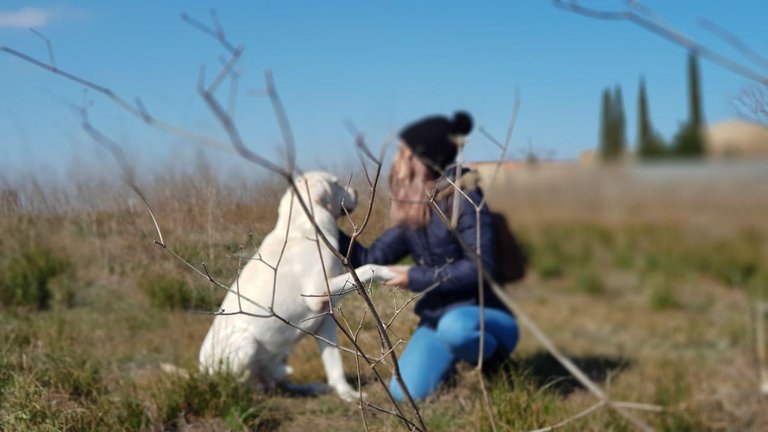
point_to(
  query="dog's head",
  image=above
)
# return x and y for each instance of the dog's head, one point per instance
(325, 191)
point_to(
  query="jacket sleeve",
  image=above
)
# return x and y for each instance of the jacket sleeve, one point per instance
(389, 248)
(461, 274)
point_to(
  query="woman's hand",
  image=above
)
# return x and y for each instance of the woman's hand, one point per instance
(401, 276)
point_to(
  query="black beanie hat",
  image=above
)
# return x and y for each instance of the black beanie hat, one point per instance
(434, 139)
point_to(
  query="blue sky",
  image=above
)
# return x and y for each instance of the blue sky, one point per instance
(381, 64)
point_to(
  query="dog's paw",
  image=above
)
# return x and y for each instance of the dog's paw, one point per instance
(375, 272)
(347, 393)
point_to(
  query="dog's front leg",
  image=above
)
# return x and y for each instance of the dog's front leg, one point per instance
(344, 284)
(334, 368)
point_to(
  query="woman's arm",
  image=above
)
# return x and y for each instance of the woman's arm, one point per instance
(461, 274)
(389, 248)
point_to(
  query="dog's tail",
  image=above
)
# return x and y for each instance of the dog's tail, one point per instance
(172, 369)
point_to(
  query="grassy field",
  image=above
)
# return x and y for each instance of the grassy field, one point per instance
(643, 281)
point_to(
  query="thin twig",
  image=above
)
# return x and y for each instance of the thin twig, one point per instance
(216, 33)
(48, 46)
(731, 39)
(666, 32)
(761, 309)
(573, 418)
(123, 104)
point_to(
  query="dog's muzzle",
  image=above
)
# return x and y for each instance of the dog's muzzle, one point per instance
(349, 203)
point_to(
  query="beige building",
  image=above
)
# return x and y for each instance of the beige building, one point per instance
(737, 139)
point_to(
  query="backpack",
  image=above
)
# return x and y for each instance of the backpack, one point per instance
(510, 256)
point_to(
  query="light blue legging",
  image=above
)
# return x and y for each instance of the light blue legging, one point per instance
(432, 353)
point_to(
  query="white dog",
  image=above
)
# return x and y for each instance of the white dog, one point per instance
(254, 344)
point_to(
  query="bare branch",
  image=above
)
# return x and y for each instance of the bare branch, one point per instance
(409, 423)
(666, 32)
(123, 104)
(731, 39)
(581, 414)
(282, 121)
(234, 82)
(507, 140)
(226, 70)
(118, 155)
(129, 178)
(360, 141)
(234, 135)
(48, 45)
(752, 103)
(217, 32)
(761, 309)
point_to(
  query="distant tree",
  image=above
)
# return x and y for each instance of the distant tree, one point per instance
(689, 139)
(752, 103)
(620, 122)
(650, 145)
(605, 125)
(612, 125)
(694, 91)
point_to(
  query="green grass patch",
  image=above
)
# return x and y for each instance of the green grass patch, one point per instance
(589, 282)
(25, 279)
(520, 403)
(214, 396)
(169, 292)
(662, 295)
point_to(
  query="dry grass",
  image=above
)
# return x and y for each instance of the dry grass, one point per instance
(649, 292)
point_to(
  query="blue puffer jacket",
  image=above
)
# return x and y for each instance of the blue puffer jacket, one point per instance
(441, 267)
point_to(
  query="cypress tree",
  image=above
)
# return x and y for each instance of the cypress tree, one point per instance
(649, 143)
(612, 125)
(689, 140)
(694, 93)
(620, 124)
(643, 122)
(605, 125)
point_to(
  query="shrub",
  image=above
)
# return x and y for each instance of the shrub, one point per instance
(26, 277)
(662, 295)
(78, 377)
(547, 259)
(674, 391)
(520, 403)
(736, 261)
(548, 267)
(758, 286)
(131, 414)
(221, 395)
(169, 292)
(589, 282)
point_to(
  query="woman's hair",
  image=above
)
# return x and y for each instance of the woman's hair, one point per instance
(410, 185)
(428, 146)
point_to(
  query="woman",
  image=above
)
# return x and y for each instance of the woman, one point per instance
(449, 325)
